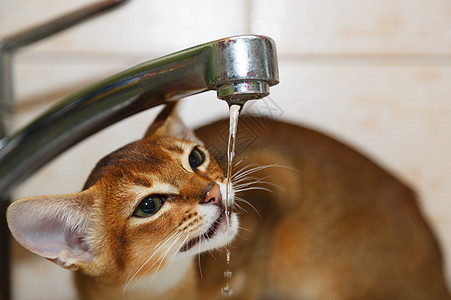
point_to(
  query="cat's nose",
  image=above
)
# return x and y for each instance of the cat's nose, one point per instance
(213, 195)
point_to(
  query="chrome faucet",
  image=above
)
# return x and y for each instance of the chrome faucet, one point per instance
(239, 68)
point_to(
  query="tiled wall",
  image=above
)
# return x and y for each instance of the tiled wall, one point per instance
(375, 73)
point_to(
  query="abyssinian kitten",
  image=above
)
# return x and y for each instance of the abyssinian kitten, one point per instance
(333, 226)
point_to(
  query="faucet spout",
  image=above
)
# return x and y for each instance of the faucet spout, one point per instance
(250, 76)
(239, 68)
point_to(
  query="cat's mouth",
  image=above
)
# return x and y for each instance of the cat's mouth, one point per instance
(207, 235)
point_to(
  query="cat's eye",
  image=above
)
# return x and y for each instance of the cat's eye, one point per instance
(196, 158)
(149, 206)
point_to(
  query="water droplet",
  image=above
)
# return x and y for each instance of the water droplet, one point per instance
(227, 274)
(227, 291)
(228, 256)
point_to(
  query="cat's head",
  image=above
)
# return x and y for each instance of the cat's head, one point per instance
(155, 200)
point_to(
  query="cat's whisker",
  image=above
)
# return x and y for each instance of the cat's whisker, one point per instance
(238, 186)
(175, 235)
(244, 174)
(245, 169)
(254, 180)
(241, 208)
(167, 240)
(198, 259)
(158, 245)
(251, 170)
(235, 173)
(245, 179)
(248, 203)
(248, 184)
(127, 283)
(260, 188)
(145, 263)
(170, 260)
(237, 163)
(161, 259)
(240, 235)
(171, 231)
(245, 229)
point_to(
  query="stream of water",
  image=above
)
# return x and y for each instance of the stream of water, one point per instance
(233, 125)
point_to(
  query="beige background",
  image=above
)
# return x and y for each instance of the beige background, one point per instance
(375, 73)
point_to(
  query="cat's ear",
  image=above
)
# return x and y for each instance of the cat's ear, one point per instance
(54, 227)
(169, 123)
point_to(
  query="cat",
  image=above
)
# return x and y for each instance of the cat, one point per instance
(311, 219)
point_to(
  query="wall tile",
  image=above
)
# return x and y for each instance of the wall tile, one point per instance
(145, 27)
(349, 26)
